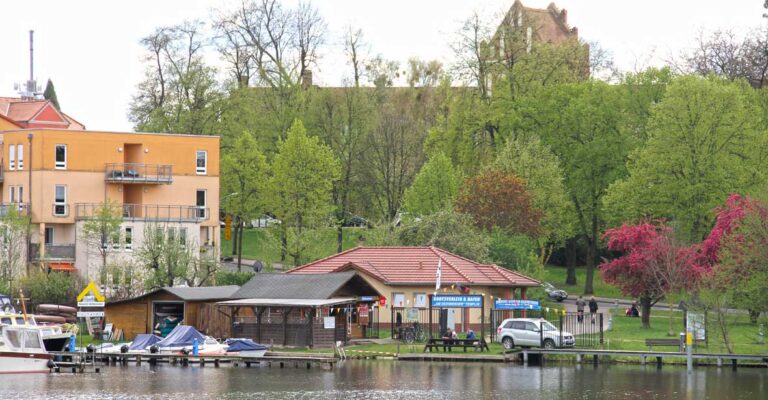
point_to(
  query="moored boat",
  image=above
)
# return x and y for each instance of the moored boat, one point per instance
(22, 351)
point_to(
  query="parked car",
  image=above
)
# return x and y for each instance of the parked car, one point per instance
(265, 221)
(554, 293)
(526, 332)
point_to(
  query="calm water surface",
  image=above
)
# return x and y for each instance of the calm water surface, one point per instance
(393, 380)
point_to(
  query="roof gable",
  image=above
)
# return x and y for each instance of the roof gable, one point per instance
(416, 266)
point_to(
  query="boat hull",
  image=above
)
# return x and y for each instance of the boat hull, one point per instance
(23, 363)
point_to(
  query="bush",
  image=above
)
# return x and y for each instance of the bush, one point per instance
(52, 288)
(515, 252)
(224, 278)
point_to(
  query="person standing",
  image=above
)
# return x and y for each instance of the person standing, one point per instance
(593, 308)
(580, 303)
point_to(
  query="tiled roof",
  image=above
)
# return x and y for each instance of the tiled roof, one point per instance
(416, 265)
(25, 111)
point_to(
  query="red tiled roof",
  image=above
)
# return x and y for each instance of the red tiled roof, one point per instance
(32, 113)
(416, 265)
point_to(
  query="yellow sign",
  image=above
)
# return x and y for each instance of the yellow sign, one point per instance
(93, 290)
(227, 227)
(689, 338)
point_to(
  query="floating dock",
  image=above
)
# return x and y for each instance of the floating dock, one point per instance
(643, 357)
(82, 362)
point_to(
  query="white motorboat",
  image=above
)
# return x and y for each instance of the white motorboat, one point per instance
(22, 351)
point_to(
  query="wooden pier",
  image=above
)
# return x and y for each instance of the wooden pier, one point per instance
(643, 357)
(77, 362)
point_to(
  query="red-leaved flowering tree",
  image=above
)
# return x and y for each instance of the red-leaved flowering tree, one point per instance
(652, 264)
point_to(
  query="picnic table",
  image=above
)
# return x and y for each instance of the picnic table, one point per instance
(448, 344)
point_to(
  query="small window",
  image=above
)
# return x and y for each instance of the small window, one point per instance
(128, 238)
(398, 299)
(12, 194)
(20, 152)
(200, 202)
(420, 300)
(508, 325)
(60, 201)
(530, 326)
(21, 193)
(61, 156)
(519, 325)
(202, 162)
(11, 157)
(48, 235)
(171, 235)
(115, 240)
(183, 236)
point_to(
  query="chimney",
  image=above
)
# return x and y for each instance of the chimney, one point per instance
(306, 79)
(564, 16)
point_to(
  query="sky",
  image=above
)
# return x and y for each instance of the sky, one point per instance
(90, 49)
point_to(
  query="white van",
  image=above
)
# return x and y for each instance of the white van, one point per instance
(526, 332)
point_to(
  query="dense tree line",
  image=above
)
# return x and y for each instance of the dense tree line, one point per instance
(511, 153)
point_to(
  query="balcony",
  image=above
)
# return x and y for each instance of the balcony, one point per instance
(148, 212)
(22, 208)
(139, 173)
(53, 252)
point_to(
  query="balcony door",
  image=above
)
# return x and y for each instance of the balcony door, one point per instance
(200, 201)
(49, 236)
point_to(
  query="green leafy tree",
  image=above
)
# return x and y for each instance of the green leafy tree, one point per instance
(706, 141)
(52, 288)
(434, 188)
(244, 175)
(50, 94)
(303, 173)
(515, 252)
(582, 125)
(169, 261)
(445, 229)
(101, 229)
(14, 226)
(532, 161)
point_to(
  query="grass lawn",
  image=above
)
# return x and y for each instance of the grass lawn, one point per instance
(556, 276)
(628, 333)
(264, 243)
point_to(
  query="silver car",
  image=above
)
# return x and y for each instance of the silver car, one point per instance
(526, 332)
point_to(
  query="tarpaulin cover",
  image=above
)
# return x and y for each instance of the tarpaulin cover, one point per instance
(244, 345)
(143, 341)
(182, 335)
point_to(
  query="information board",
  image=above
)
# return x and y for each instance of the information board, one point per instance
(511, 304)
(457, 301)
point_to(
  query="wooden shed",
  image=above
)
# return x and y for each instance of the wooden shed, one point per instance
(193, 306)
(313, 310)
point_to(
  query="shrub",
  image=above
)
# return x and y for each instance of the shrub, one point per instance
(53, 287)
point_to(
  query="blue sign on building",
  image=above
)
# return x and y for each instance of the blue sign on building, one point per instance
(504, 304)
(457, 301)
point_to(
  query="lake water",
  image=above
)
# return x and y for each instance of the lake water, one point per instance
(393, 380)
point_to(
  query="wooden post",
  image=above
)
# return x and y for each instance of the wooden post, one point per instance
(311, 317)
(482, 319)
(259, 312)
(286, 311)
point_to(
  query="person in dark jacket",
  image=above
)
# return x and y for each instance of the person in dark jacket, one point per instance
(593, 308)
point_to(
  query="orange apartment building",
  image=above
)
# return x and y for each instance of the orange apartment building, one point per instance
(60, 174)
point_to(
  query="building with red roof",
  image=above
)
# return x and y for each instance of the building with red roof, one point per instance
(35, 113)
(407, 275)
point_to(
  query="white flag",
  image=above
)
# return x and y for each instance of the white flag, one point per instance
(439, 273)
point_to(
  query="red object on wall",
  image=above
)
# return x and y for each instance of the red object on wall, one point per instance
(382, 301)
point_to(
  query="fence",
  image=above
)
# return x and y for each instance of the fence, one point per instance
(372, 330)
(586, 333)
(406, 318)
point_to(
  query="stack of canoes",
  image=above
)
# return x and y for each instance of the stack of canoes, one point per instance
(55, 314)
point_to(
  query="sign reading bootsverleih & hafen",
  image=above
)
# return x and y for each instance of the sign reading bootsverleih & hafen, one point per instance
(509, 304)
(457, 301)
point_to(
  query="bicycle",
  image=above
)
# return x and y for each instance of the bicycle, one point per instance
(415, 333)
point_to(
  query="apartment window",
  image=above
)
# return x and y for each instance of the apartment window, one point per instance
(171, 235)
(11, 157)
(200, 202)
(12, 198)
(128, 238)
(49, 236)
(183, 236)
(61, 156)
(60, 201)
(202, 162)
(21, 194)
(20, 153)
(115, 239)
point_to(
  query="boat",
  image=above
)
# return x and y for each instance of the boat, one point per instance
(22, 351)
(50, 327)
(182, 339)
(246, 348)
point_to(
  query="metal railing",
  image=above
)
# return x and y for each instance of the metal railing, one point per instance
(22, 208)
(147, 212)
(60, 210)
(64, 252)
(139, 173)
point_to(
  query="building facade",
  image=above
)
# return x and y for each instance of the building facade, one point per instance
(61, 177)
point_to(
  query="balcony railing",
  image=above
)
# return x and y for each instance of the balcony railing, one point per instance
(139, 173)
(21, 208)
(53, 252)
(148, 212)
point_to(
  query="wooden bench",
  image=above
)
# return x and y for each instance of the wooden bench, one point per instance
(662, 342)
(438, 343)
